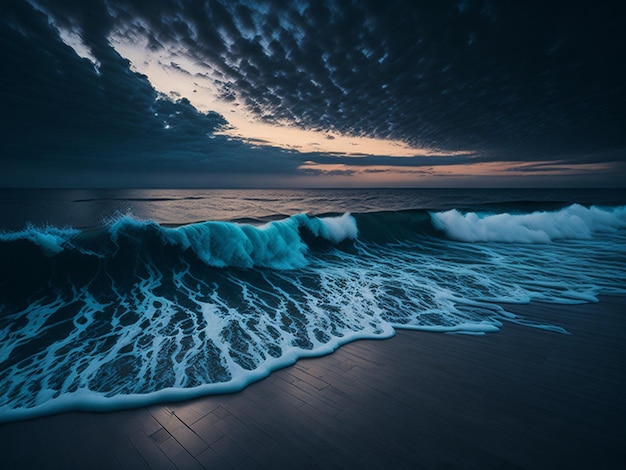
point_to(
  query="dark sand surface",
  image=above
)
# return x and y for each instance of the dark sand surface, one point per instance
(520, 398)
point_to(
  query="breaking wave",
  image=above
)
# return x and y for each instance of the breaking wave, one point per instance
(571, 223)
(135, 312)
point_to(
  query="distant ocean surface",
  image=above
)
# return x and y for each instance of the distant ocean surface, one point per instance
(119, 298)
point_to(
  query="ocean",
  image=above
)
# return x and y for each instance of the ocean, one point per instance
(113, 299)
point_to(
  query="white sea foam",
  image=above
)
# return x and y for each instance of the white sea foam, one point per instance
(136, 330)
(51, 240)
(341, 228)
(574, 222)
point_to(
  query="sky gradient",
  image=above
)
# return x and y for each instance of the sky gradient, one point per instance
(167, 93)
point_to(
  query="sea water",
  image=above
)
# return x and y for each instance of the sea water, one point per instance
(118, 298)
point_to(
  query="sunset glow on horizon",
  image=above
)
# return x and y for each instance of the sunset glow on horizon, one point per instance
(177, 76)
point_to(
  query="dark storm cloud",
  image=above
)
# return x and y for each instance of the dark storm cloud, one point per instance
(526, 81)
(529, 77)
(373, 160)
(61, 114)
(450, 75)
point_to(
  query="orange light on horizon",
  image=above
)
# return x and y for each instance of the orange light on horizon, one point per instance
(351, 175)
(176, 75)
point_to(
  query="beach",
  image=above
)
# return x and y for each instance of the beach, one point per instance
(519, 398)
(312, 234)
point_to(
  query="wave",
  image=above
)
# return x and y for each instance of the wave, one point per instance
(276, 244)
(51, 240)
(282, 244)
(574, 222)
(135, 312)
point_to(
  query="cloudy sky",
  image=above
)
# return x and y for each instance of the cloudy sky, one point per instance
(277, 93)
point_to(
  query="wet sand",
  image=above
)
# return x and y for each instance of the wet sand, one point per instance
(520, 398)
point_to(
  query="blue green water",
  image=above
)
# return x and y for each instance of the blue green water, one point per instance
(118, 298)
